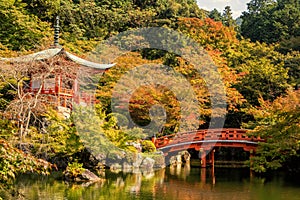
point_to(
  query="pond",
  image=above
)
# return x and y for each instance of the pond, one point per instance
(180, 183)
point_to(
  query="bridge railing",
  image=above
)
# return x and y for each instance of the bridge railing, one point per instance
(210, 134)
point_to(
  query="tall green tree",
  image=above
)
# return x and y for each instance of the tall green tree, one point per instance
(215, 15)
(271, 21)
(20, 30)
(227, 17)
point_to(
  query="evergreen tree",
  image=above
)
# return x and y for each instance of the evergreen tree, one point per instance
(272, 21)
(227, 17)
(215, 15)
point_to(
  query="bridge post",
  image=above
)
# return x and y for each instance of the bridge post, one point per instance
(202, 158)
(212, 157)
(203, 161)
(251, 162)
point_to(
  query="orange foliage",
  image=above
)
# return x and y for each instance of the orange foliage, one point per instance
(216, 39)
(209, 33)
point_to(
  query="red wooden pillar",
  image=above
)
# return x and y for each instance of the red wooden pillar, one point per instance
(251, 156)
(202, 158)
(43, 85)
(203, 161)
(56, 84)
(212, 157)
(60, 83)
(65, 102)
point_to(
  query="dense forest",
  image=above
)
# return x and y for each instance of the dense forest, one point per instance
(257, 55)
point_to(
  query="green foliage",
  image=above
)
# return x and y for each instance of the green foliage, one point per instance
(148, 146)
(43, 9)
(19, 30)
(100, 133)
(249, 70)
(215, 15)
(7, 94)
(74, 169)
(289, 45)
(59, 138)
(279, 123)
(261, 69)
(25, 24)
(7, 128)
(271, 21)
(14, 162)
(292, 64)
(178, 8)
(120, 136)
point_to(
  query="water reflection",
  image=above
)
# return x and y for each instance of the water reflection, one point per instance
(182, 182)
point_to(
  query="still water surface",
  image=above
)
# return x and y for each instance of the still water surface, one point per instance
(169, 184)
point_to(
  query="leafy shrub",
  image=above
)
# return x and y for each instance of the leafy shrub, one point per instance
(14, 162)
(74, 170)
(148, 146)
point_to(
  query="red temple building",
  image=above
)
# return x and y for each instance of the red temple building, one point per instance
(61, 86)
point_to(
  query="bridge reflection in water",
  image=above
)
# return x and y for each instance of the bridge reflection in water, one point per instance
(199, 184)
(206, 140)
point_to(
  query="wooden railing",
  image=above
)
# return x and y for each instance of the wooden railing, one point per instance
(206, 135)
(87, 98)
(55, 91)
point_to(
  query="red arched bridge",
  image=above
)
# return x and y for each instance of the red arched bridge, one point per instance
(204, 141)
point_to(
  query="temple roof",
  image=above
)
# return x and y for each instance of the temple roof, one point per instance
(49, 53)
(55, 50)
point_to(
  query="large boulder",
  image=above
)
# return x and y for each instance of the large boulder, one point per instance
(115, 157)
(101, 157)
(138, 159)
(84, 176)
(147, 163)
(175, 160)
(180, 157)
(185, 156)
(159, 160)
(89, 176)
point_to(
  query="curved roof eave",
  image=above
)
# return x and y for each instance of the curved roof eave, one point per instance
(41, 55)
(87, 63)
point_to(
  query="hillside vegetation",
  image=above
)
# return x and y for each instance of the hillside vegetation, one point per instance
(258, 60)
